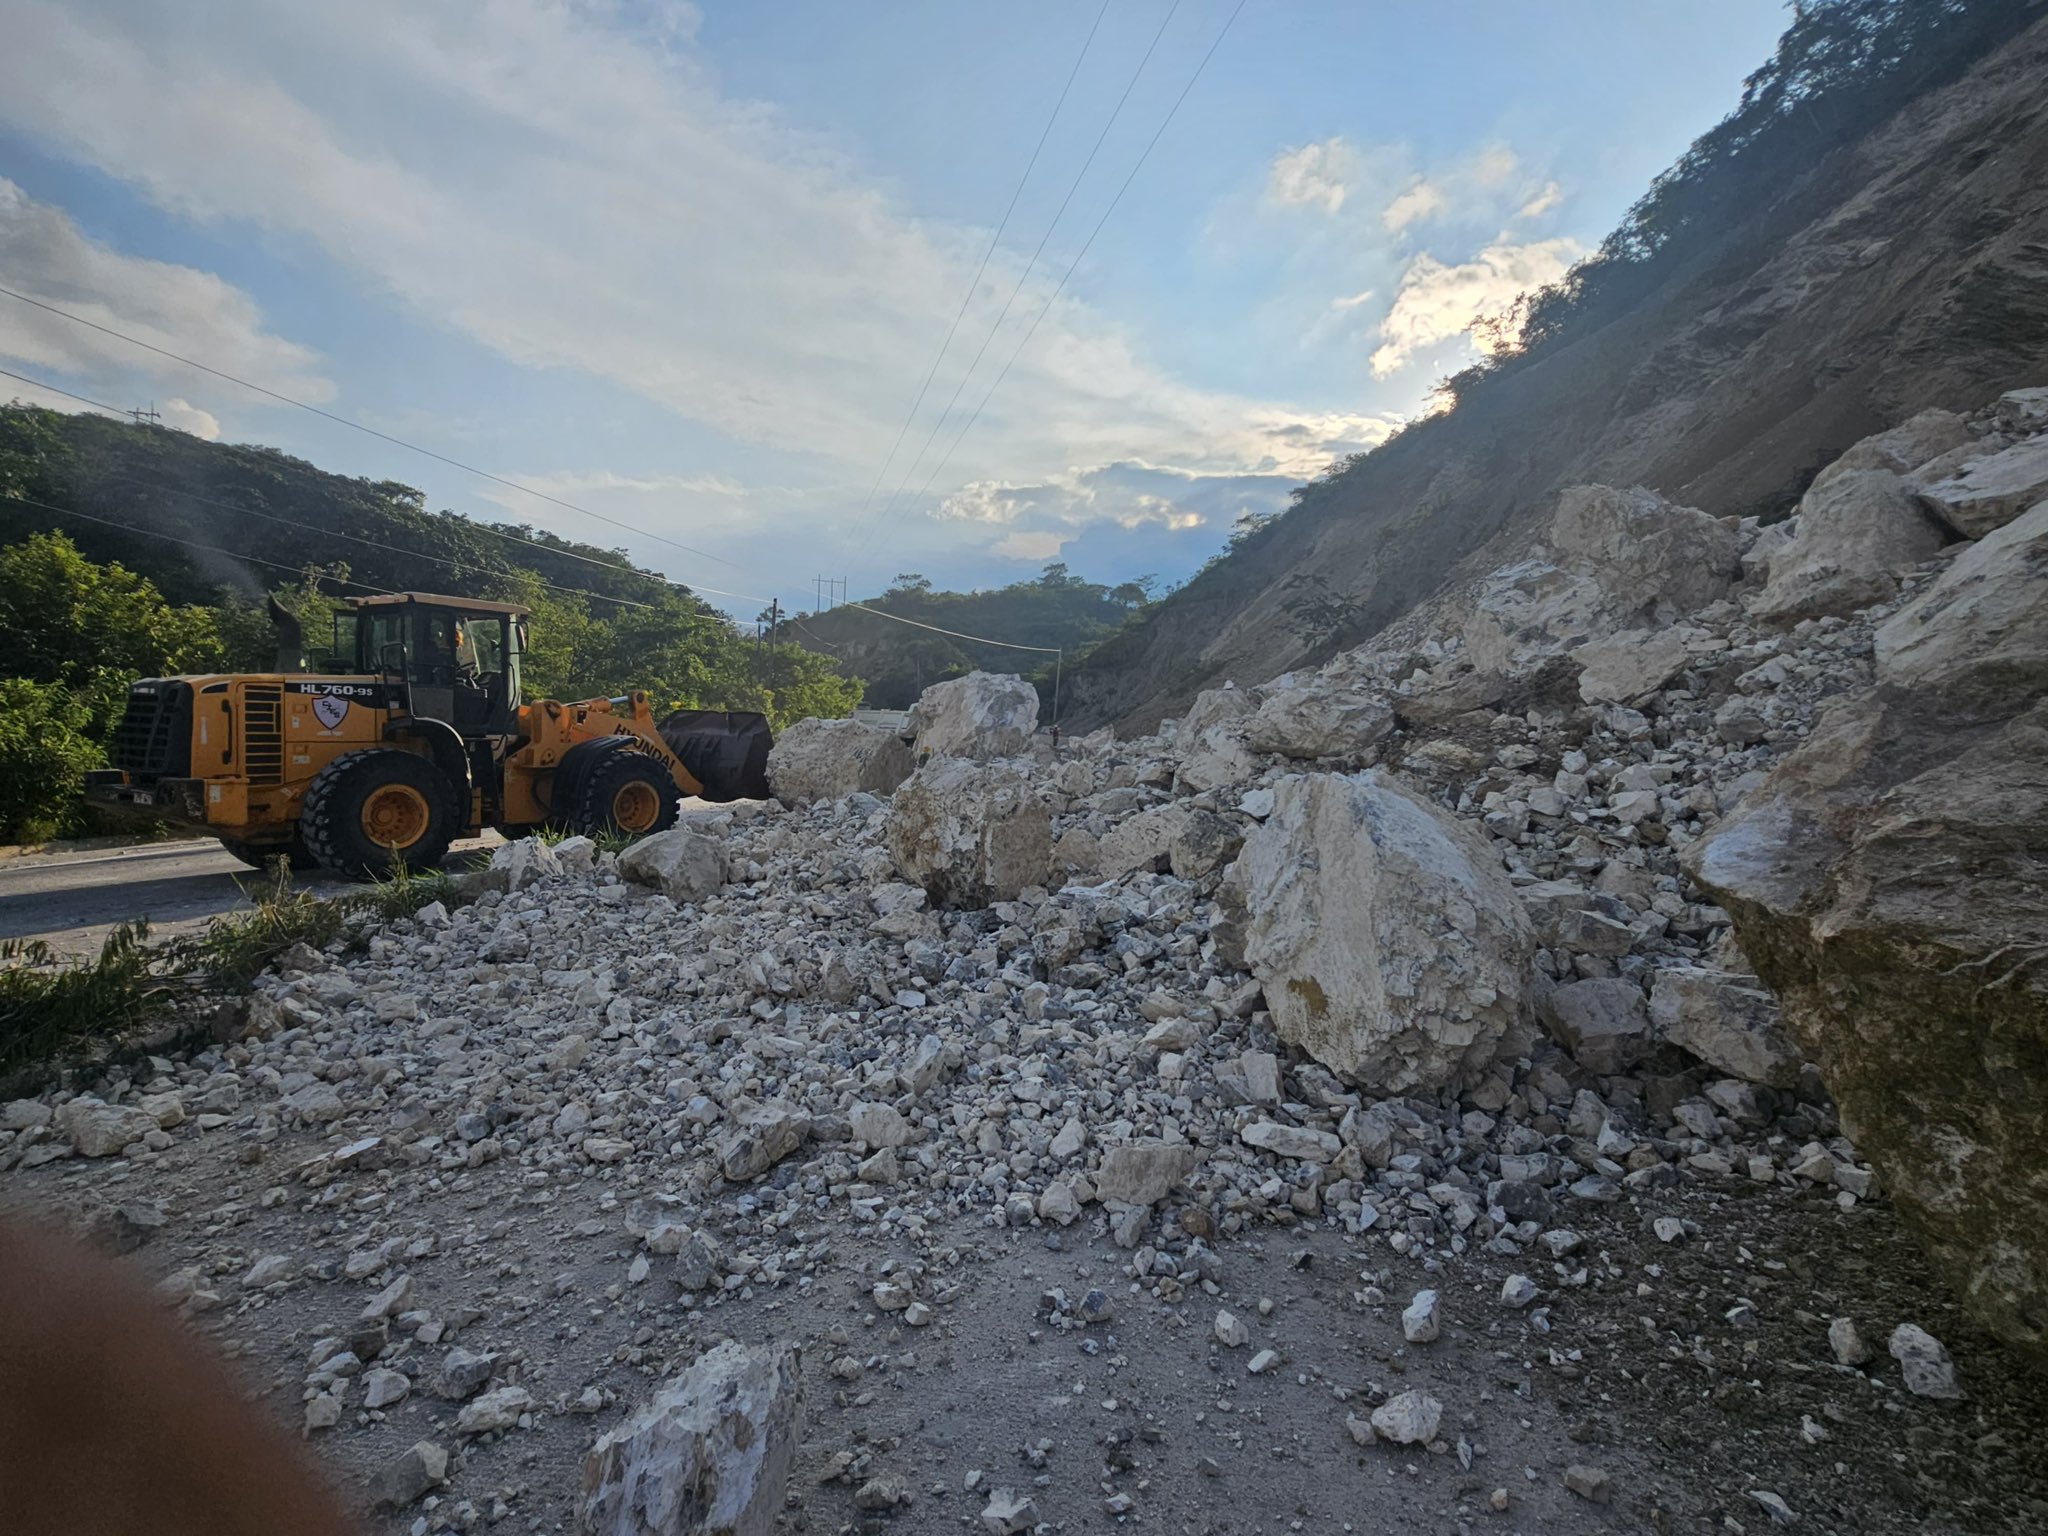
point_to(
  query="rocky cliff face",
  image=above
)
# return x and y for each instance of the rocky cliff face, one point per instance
(1905, 272)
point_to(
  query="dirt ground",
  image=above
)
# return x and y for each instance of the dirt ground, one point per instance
(1684, 1371)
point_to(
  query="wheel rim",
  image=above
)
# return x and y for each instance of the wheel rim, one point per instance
(396, 816)
(635, 806)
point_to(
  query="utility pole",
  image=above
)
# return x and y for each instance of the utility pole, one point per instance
(148, 418)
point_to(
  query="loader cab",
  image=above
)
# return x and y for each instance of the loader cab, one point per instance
(458, 656)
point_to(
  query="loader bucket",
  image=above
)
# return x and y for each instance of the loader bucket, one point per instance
(725, 750)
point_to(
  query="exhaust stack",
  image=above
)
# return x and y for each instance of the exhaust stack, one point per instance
(291, 638)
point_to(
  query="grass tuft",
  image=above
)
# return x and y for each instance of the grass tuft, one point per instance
(47, 1006)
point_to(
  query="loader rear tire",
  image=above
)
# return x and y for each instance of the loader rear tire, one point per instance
(625, 793)
(368, 811)
(259, 855)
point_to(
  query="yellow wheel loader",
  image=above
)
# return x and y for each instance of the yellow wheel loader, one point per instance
(410, 734)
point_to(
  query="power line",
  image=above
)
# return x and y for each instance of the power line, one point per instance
(480, 526)
(151, 533)
(413, 554)
(1076, 262)
(107, 330)
(1022, 279)
(98, 405)
(1008, 645)
(995, 240)
(1059, 655)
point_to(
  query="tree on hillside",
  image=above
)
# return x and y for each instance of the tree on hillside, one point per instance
(75, 634)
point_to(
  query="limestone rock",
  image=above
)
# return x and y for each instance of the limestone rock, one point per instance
(1217, 757)
(1646, 549)
(1142, 1172)
(1214, 706)
(762, 1136)
(99, 1129)
(970, 833)
(1319, 716)
(816, 760)
(521, 863)
(1928, 1370)
(409, 1474)
(1408, 1418)
(1203, 844)
(1978, 634)
(1390, 946)
(682, 864)
(1630, 665)
(1885, 881)
(1990, 492)
(708, 1455)
(1604, 1023)
(1297, 1142)
(1858, 533)
(1729, 1022)
(1907, 446)
(493, 1413)
(981, 715)
(1140, 842)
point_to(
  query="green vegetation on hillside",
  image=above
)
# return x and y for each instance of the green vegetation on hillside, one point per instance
(94, 593)
(1839, 69)
(1057, 611)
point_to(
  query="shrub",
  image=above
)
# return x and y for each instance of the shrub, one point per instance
(45, 751)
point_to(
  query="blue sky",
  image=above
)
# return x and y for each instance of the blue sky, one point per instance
(688, 266)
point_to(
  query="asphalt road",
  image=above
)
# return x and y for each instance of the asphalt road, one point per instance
(71, 900)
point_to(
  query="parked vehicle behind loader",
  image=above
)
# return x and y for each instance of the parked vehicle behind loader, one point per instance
(411, 734)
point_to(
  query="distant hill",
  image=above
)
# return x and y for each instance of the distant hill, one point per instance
(220, 525)
(898, 661)
(276, 514)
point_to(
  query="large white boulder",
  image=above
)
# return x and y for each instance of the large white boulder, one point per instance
(1885, 880)
(1859, 531)
(708, 1455)
(1991, 491)
(1979, 634)
(1645, 550)
(970, 833)
(1614, 561)
(1905, 447)
(1319, 716)
(817, 760)
(1216, 706)
(1730, 1022)
(981, 715)
(1390, 946)
(683, 865)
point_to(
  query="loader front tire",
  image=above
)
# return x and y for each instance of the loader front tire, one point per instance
(625, 792)
(368, 811)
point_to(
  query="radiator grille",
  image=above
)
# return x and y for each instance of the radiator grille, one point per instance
(154, 738)
(263, 733)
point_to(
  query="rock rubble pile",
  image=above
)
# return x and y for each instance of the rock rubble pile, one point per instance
(1542, 901)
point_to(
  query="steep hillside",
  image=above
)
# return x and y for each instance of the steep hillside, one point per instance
(1902, 268)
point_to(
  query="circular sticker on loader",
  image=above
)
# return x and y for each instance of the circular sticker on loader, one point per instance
(330, 710)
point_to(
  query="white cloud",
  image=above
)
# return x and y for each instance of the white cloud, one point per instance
(1437, 302)
(1545, 200)
(187, 417)
(1423, 200)
(1494, 166)
(46, 256)
(1030, 545)
(571, 189)
(1315, 175)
